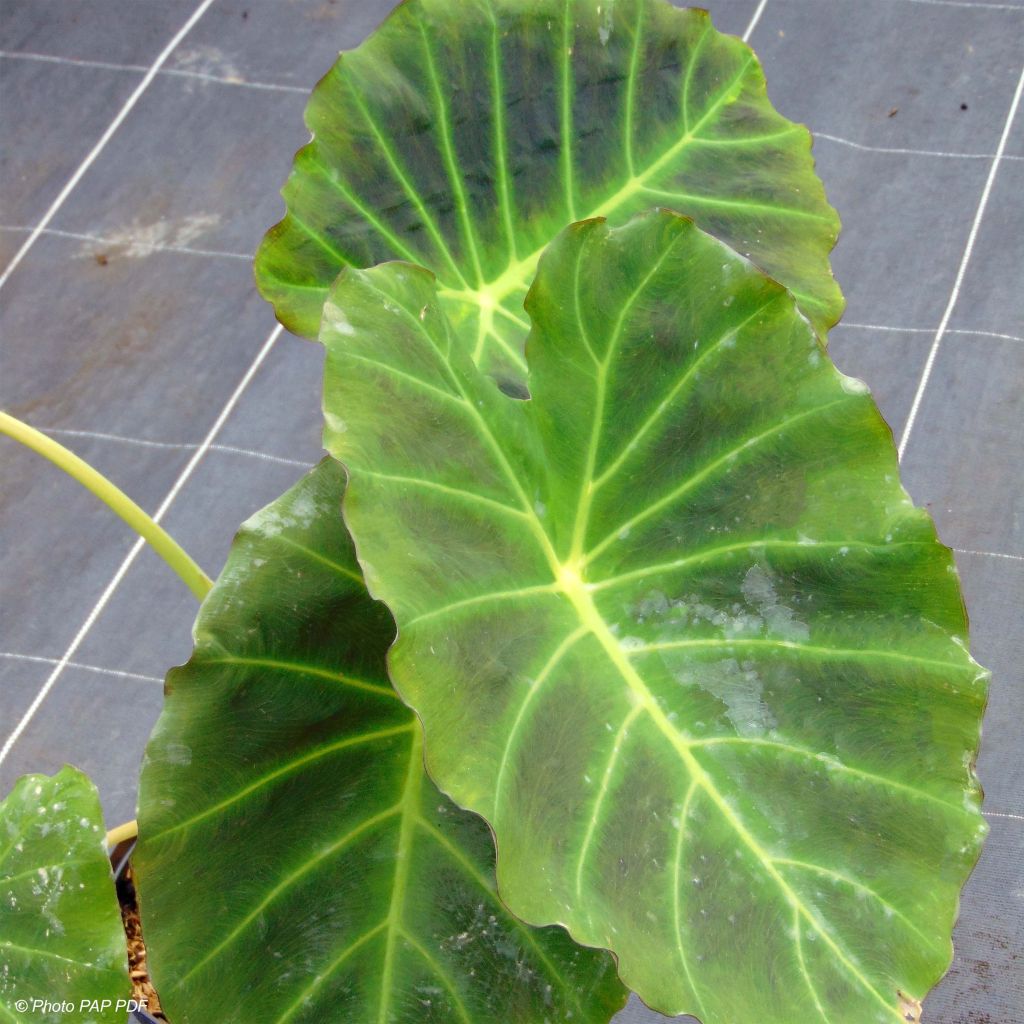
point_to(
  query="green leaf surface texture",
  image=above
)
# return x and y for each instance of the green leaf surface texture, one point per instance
(465, 134)
(295, 862)
(672, 626)
(61, 938)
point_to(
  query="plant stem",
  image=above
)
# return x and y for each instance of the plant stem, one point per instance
(165, 546)
(129, 830)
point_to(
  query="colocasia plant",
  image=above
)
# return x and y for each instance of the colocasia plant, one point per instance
(609, 570)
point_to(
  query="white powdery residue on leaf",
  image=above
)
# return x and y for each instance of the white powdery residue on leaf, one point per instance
(335, 317)
(177, 753)
(739, 687)
(853, 385)
(304, 510)
(607, 13)
(780, 621)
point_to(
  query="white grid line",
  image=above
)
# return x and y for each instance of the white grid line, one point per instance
(122, 570)
(962, 3)
(755, 18)
(1004, 814)
(104, 139)
(119, 243)
(52, 58)
(927, 330)
(191, 251)
(275, 87)
(216, 253)
(183, 446)
(231, 449)
(79, 664)
(989, 554)
(962, 270)
(899, 151)
(203, 76)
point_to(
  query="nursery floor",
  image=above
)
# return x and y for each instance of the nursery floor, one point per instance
(144, 144)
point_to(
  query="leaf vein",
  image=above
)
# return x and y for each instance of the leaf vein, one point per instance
(440, 973)
(286, 883)
(631, 81)
(447, 151)
(677, 902)
(454, 492)
(707, 554)
(525, 931)
(736, 204)
(602, 793)
(392, 371)
(566, 91)
(775, 643)
(839, 876)
(316, 556)
(832, 764)
(307, 670)
(403, 856)
(535, 687)
(476, 599)
(798, 937)
(402, 178)
(706, 352)
(330, 970)
(281, 772)
(708, 470)
(364, 211)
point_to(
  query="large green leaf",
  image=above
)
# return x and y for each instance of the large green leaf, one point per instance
(295, 862)
(61, 938)
(465, 134)
(672, 625)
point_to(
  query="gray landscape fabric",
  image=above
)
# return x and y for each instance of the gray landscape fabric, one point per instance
(144, 147)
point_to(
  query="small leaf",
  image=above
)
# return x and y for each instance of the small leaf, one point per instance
(61, 937)
(672, 625)
(465, 136)
(295, 863)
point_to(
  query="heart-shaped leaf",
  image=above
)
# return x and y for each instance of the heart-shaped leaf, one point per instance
(295, 862)
(61, 937)
(672, 625)
(464, 136)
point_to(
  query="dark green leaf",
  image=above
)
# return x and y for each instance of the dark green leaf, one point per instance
(61, 938)
(672, 625)
(465, 135)
(295, 863)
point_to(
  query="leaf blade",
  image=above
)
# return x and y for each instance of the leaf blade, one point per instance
(747, 621)
(293, 858)
(540, 124)
(61, 937)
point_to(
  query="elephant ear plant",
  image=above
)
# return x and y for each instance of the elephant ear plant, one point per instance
(680, 699)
